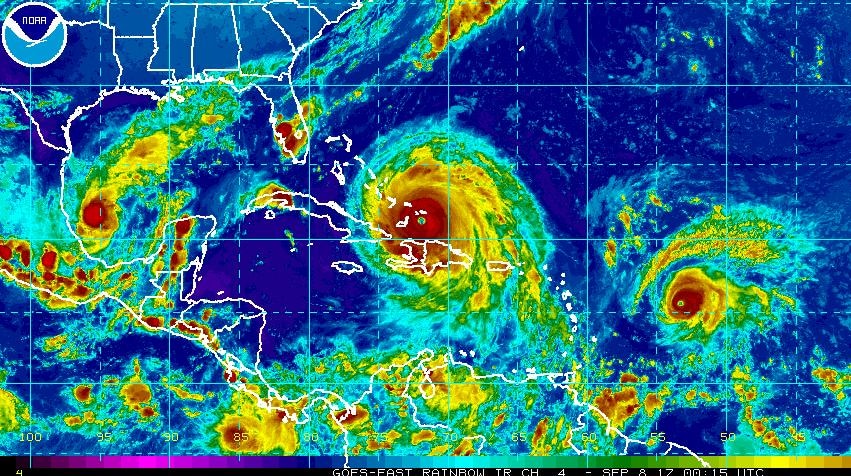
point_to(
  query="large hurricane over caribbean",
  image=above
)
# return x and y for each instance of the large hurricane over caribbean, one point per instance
(459, 229)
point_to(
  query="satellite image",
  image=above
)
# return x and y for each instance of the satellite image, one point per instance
(425, 233)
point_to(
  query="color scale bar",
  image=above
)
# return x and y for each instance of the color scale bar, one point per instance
(165, 461)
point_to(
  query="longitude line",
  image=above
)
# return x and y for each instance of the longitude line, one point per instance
(795, 218)
(587, 188)
(727, 211)
(450, 144)
(168, 152)
(378, 154)
(309, 222)
(656, 175)
(30, 299)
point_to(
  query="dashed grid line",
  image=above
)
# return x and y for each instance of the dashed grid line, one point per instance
(309, 146)
(656, 173)
(547, 164)
(517, 156)
(446, 152)
(402, 382)
(587, 188)
(726, 208)
(797, 53)
(379, 147)
(461, 240)
(168, 208)
(590, 85)
(29, 295)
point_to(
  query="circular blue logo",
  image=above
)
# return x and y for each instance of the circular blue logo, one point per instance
(34, 34)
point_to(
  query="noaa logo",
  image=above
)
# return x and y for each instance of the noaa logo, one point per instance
(34, 34)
